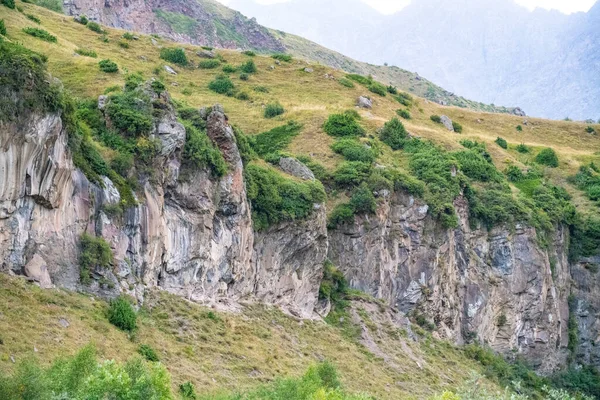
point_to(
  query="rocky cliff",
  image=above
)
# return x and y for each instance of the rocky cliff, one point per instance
(192, 234)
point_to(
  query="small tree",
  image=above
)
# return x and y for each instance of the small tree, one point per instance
(502, 143)
(393, 134)
(547, 157)
(122, 315)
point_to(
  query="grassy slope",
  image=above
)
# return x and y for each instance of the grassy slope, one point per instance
(308, 97)
(228, 352)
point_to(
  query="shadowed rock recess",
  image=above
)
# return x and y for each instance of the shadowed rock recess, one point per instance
(191, 234)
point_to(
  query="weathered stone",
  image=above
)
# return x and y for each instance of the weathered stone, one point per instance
(206, 54)
(37, 269)
(447, 122)
(309, 70)
(519, 112)
(102, 99)
(364, 102)
(170, 70)
(294, 167)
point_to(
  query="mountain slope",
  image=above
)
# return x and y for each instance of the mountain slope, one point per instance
(209, 23)
(541, 60)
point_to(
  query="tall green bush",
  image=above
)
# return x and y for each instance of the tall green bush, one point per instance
(353, 150)
(547, 157)
(122, 315)
(393, 134)
(248, 67)
(176, 55)
(222, 85)
(341, 125)
(273, 110)
(200, 152)
(94, 253)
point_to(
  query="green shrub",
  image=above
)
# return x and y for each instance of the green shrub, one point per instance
(84, 376)
(495, 207)
(108, 66)
(83, 20)
(514, 173)
(130, 113)
(282, 57)
(590, 130)
(123, 44)
(40, 34)
(317, 168)
(476, 167)
(158, 86)
(222, 85)
(86, 53)
(2, 28)
(547, 157)
(519, 128)
(501, 142)
(229, 69)
(341, 125)
(244, 76)
(95, 27)
(244, 146)
(276, 198)
(584, 380)
(242, 96)
(200, 152)
(128, 36)
(521, 148)
(274, 109)
(276, 139)
(341, 214)
(94, 253)
(176, 55)
(392, 90)
(248, 67)
(148, 353)
(33, 18)
(249, 53)
(122, 315)
(133, 81)
(436, 118)
(377, 88)
(261, 89)
(9, 3)
(187, 391)
(352, 173)
(353, 150)
(404, 114)
(363, 80)
(393, 134)
(346, 82)
(334, 286)
(405, 99)
(457, 127)
(363, 201)
(54, 5)
(209, 64)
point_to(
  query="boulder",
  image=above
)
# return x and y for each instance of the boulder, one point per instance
(206, 54)
(295, 168)
(309, 70)
(37, 270)
(364, 102)
(519, 112)
(447, 122)
(170, 70)
(102, 99)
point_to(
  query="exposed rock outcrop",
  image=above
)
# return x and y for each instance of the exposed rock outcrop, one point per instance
(495, 286)
(447, 122)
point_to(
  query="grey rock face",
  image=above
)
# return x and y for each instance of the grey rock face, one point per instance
(462, 280)
(447, 122)
(364, 102)
(170, 70)
(206, 54)
(517, 111)
(294, 167)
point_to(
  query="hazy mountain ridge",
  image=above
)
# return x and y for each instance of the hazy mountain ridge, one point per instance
(544, 61)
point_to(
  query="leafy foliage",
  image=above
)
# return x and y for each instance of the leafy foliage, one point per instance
(148, 353)
(222, 85)
(276, 139)
(521, 148)
(122, 315)
(209, 64)
(108, 66)
(176, 55)
(377, 88)
(547, 157)
(248, 67)
(393, 134)
(502, 143)
(274, 109)
(130, 113)
(352, 173)
(229, 69)
(83, 377)
(405, 99)
(476, 167)
(346, 82)
(180, 23)
(95, 27)
(457, 127)
(276, 198)
(341, 125)
(94, 253)
(404, 114)
(9, 3)
(200, 152)
(353, 150)
(2, 28)
(436, 118)
(86, 53)
(363, 80)
(40, 34)
(282, 57)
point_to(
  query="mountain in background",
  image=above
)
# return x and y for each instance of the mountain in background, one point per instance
(209, 23)
(494, 51)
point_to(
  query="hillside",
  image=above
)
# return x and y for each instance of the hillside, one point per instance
(209, 23)
(242, 200)
(544, 63)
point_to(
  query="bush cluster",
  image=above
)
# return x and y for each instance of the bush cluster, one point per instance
(9, 3)
(436, 118)
(346, 82)
(176, 55)
(393, 134)
(200, 152)
(108, 66)
(276, 139)
(282, 57)
(208, 64)
(148, 353)
(2, 28)
(404, 114)
(501, 142)
(522, 148)
(353, 150)
(248, 67)
(547, 157)
(94, 253)
(405, 99)
(273, 110)
(229, 69)
(95, 27)
(222, 85)
(122, 315)
(40, 34)
(276, 198)
(341, 125)
(377, 88)
(363, 80)
(87, 53)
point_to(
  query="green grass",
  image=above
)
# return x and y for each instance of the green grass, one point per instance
(180, 23)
